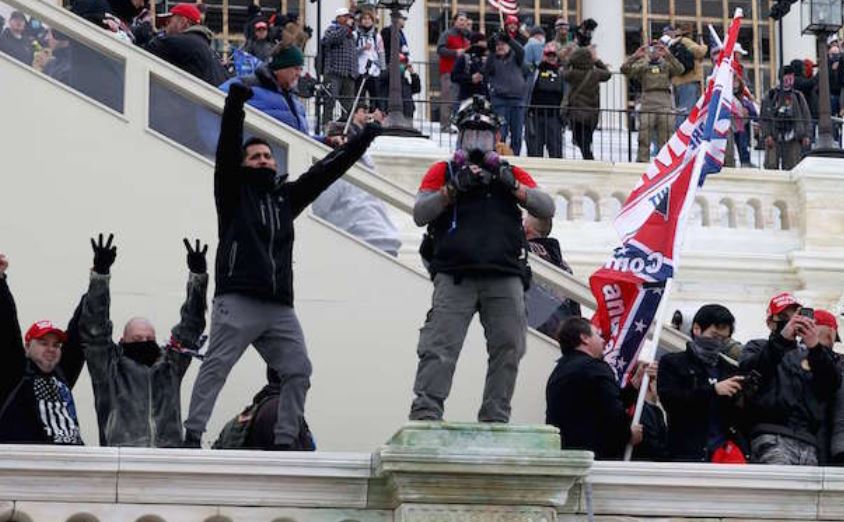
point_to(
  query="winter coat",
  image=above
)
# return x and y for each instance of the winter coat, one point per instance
(59, 65)
(374, 54)
(341, 55)
(533, 53)
(584, 401)
(18, 48)
(447, 45)
(793, 123)
(386, 35)
(466, 66)
(547, 87)
(505, 75)
(584, 104)
(699, 52)
(268, 98)
(360, 214)
(654, 78)
(795, 388)
(191, 51)
(835, 426)
(260, 49)
(699, 420)
(256, 209)
(807, 85)
(35, 408)
(138, 405)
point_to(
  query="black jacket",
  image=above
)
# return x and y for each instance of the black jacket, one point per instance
(465, 66)
(699, 420)
(18, 48)
(480, 234)
(795, 388)
(584, 401)
(20, 420)
(191, 51)
(256, 209)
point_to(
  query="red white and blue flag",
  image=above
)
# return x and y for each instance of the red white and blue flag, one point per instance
(629, 287)
(508, 7)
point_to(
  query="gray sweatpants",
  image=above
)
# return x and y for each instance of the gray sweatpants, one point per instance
(500, 301)
(236, 322)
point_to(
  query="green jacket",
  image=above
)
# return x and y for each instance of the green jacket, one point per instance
(655, 79)
(138, 405)
(585, 99)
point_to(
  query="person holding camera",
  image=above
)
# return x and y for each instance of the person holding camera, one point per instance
(798, 380)
(477, 256)
(653, 66)
(137, 383)
(700, 391)
(785, 123)
(341, 63)
(584, 76)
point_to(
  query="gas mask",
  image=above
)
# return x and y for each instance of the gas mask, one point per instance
(476, 143)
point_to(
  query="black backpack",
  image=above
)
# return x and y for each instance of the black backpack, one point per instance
(684, 56)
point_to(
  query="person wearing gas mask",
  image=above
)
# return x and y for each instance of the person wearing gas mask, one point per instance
(700, 390)
(798, 380)
(785, 123)
(477, 257)
(137, 382)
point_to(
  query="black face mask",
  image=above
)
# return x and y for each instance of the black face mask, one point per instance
(708, 349)
(144, 352)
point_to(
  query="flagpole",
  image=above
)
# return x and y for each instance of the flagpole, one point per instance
(648, 355)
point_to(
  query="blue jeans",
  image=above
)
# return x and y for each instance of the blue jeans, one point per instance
(685, 97)
(512, 111)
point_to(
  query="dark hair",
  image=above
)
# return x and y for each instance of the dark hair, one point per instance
(458, 14)
(253, 141)
(570, 332)
(714, 314)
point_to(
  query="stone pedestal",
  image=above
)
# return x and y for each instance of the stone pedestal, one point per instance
(438, 471)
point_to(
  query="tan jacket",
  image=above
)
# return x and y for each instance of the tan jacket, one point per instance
(699, 52)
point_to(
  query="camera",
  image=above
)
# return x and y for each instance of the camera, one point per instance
(583, 35)
(807, 312)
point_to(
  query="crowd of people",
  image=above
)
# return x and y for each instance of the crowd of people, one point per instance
(540, 80)
(776, 400)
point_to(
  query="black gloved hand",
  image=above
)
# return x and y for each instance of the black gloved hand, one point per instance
(506, 177)
(309, 31)
(104, 254)
(196, 257)
(465, 180)
(239, 92)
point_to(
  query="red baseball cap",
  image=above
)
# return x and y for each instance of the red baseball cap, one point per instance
(824, 318)
(41, 328)
(189, 11)
(780, 302)
(511, 19)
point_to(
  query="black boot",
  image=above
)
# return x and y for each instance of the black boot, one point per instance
(192, 440)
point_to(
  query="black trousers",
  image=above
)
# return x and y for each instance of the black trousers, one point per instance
(544, 130)
(371, 91)
(582, 136)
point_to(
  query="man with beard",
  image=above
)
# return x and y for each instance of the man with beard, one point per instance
(35, 378)
(136, 382)
(253, 302)
(477, 256)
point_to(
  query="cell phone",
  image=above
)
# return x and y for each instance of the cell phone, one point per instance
(807, 312)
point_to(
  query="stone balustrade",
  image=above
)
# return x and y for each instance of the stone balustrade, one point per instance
(428, 472)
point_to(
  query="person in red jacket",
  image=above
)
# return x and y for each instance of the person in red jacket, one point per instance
(451, 45)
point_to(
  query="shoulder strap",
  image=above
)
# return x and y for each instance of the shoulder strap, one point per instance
(582, 83)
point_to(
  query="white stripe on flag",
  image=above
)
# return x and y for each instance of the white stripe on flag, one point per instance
(505, 6)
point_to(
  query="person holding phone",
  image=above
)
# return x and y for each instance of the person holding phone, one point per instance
(798, 378)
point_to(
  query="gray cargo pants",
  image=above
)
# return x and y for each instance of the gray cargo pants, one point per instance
(500, 301)
(236, 322)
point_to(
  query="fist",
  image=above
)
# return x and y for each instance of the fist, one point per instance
(239, 92)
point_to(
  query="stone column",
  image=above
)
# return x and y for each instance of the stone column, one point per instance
(821, 226)
(437, 471)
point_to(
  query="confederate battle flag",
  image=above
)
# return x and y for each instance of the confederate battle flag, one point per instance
(629, 287)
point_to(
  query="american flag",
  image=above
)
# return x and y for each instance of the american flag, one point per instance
(509, 7)
(629, 287)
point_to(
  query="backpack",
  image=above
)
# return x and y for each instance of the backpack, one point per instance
(235, 433)
(684, 56)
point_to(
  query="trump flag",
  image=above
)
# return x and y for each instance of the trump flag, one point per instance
(629, 287)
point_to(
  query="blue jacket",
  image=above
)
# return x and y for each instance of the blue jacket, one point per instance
(268, 99)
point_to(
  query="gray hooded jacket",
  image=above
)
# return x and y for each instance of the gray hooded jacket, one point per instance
(138, 405)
